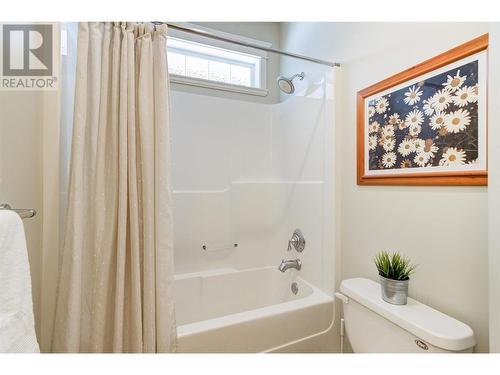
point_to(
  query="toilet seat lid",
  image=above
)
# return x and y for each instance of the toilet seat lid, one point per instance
(421, 320)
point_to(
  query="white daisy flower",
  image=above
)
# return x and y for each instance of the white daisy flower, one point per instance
(428, 108)
(429, 149)
(473, 95)
(372, 142)
(453, 83)
(386, 142)
(453, 156)
(476, 88)
(418, 144)
(415, 130)
(389, 144)
(394, 119)
(381, 105)
(413, 95)
(402, 125)
(475, 161)
(464, 96)
(442, 131)
(389, 159)
(373, 127)
(406, 164)
(371, 111)
(441, 100)
(415, 117)
(421, 159)
(437, 121)
(457, 121)
(388, 130)
(406, 147)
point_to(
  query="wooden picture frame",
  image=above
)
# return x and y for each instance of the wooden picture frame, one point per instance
(443, 152)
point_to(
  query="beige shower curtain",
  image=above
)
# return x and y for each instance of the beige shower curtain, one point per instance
(115, 290)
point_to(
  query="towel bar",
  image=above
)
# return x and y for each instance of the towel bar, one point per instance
(25, 213)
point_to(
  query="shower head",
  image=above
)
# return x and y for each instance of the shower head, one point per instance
(286, 84)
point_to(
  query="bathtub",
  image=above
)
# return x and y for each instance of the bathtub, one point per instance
(255, 310)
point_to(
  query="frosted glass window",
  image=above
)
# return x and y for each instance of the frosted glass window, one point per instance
(241, 75)
(219, 71)
(196, 67)
(204, 62)
(176, 63)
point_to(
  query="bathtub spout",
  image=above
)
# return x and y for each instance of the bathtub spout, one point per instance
(292, 263)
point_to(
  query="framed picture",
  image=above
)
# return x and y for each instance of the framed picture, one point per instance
(428, 124)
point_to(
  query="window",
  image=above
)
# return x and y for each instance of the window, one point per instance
(201, 61)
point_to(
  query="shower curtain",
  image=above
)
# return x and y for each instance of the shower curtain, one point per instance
(115, 289)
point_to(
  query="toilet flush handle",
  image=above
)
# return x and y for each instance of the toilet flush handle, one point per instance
(342, 297)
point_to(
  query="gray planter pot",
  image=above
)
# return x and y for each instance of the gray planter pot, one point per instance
(394, 291)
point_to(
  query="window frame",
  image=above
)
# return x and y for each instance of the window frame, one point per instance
(206, 83)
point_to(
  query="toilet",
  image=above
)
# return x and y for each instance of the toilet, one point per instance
(375, 326)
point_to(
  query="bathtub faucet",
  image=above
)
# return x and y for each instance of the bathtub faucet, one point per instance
(291, 263)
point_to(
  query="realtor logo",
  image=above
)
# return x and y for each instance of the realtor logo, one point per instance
(27, 57)
(27, 50)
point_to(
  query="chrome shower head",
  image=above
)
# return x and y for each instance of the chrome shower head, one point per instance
(286, 83)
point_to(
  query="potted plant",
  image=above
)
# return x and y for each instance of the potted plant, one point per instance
(394, 271)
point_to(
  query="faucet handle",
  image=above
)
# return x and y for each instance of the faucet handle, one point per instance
(298, 241)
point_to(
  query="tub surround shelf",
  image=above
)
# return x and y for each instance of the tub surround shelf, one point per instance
(233, 246)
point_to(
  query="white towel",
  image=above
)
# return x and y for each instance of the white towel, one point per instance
(17, 324)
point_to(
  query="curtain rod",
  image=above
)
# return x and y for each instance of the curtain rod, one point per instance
(246, 44)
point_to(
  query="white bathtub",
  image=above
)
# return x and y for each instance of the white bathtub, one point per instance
(247, 311)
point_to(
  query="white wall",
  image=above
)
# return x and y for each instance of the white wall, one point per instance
(444, 229)
(29, 123)
(21, 172)
(494, 187)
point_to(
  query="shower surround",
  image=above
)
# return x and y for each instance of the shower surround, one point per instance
(245, 176)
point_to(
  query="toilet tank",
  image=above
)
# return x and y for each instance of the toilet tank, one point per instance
(375, 326)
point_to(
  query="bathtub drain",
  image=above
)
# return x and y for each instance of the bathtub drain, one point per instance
(295, 288)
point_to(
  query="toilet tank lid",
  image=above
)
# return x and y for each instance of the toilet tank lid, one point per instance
(421, 320)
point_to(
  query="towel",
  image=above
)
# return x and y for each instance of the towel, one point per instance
(17, 324)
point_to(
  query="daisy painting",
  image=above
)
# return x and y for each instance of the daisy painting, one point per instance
(433, 124)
